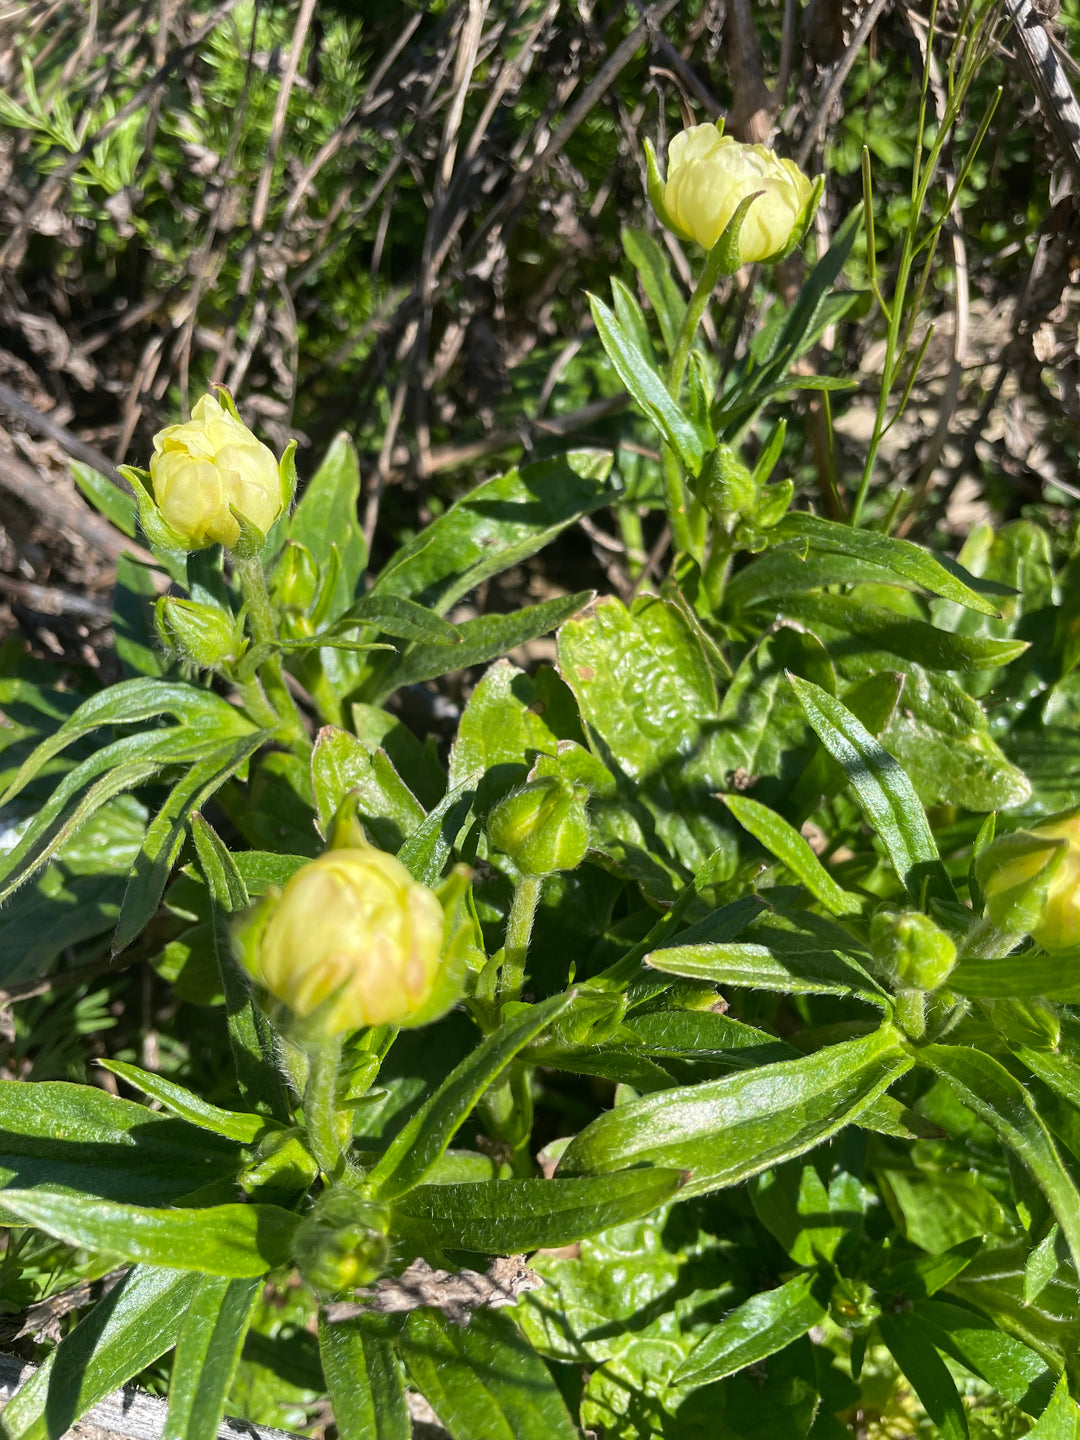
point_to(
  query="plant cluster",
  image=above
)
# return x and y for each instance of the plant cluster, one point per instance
(723, 968)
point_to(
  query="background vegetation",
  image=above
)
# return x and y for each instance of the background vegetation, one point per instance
(388, 224)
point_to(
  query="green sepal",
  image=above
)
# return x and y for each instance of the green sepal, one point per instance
(225, 398)
(250, 541)
(802, 223)
(206, 634)
(287, 475)
(724, 258)
(726, 487)
(1015, 872)
(345, 831)
(655, 185)
(160, 534)
(247, 929)
(295, 580)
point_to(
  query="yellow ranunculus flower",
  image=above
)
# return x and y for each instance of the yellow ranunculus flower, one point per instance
(1059, 924)
(353, 925)
(708, 177)
(201, 468)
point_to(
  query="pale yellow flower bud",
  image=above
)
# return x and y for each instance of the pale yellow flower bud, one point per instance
(211, 463)
(354, 929)
(1059, 923)
(708, 177)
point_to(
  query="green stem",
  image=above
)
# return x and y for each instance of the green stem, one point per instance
(911, 1012)
(322, 1117)
(290, 728)
(519, 925)
(691, 320)
(684, 515)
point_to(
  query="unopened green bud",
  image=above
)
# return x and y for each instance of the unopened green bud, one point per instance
(1031, 883)
(910, 950)
(592, 1019)
(282, 1167)
(726, 487)
(342, 1242)
(853, 1305)
(202, 633)
(542, 825)
(296, 577)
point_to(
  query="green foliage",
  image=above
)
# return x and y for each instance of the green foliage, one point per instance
(789, 1168)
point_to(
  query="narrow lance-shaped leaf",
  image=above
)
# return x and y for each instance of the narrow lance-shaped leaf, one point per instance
(505, 1217)
(165, 834)
(910, 562)
(364, 1378)
(420, 1143)
(885, 794)
(207, 1354)
(755, 1330)
(234, 1240)
(183, 1103)
(926, 1372)
(483, 1380)
(647, 388)
(726, 1130)
(126, 1331)
(789, 847)
(1000, 1100)
(250, 1037)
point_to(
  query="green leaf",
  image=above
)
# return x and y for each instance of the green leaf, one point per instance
(252, 1041)
(426, 1135)
(632, 319)
(80, 1140)
(124, 1333)
(884, 792)
(1061, 1418)
(789, 847)
(641, 679)
(233, 1124)
(903, 635)
(648, 389)
(654, 271)
(233, 1240)
(926, 1372)
(207, 1354)
(1001, 1102)
(785, 570)
(327, 515)
(703, 1035)
(340, 766)
(506, 1217)
(910, 562)
(1002, 977)
(395, 615)
(115, 502)
(483, 1380)
(942, 739)
(791, 954)
(727, 1130)
(165, 834)
(482, 639)
(425, 853)
(752, 1332)
(364, 1379)
(1014, 1369)
(499, 524)
(203, 716)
